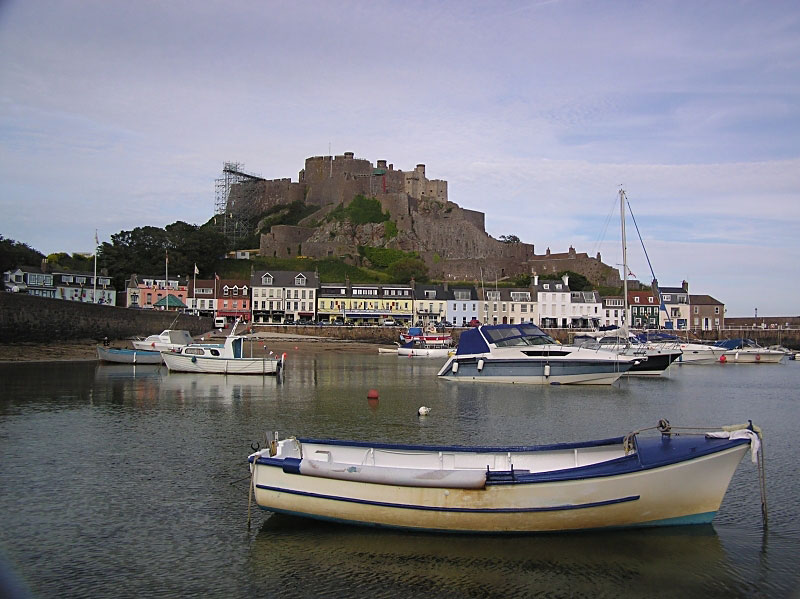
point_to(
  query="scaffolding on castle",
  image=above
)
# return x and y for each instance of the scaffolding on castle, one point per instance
(234, 222)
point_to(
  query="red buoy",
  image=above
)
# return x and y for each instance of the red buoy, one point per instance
(372, 394)
(723, 359)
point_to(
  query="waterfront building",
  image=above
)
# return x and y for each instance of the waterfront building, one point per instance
(708, 313)
(553, 298)
(232, 299)
(282, 296)
(145, 291)
(366, 303)
(613, 311)
(463, 306)
(643, 306)
(586, 307)
(430, 303)
(506, 305)
(30, 280)
(676, 311)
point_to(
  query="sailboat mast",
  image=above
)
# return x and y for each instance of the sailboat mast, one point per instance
(624, 261)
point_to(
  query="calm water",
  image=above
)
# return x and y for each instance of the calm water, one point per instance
(117, 483)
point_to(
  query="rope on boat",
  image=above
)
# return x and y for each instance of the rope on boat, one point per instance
(758, 455)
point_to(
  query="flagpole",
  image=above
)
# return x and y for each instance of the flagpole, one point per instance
(166, 277)
(94, 289)
(194, 289)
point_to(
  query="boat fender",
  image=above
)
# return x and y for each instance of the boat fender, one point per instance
(758, 357)
(480, 365)
(546, 370)
(455, 367)
(194, 359)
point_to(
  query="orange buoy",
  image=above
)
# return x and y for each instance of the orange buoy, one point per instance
(372, 394)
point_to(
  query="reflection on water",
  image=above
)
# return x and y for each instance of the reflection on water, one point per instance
(361, 562)
(117, 481)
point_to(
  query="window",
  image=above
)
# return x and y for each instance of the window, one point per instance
(697, 309)
(667, 297)
(636, 299)
(716, 310)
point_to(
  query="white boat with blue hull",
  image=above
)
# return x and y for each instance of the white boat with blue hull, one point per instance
(627, 481)
(523, 353)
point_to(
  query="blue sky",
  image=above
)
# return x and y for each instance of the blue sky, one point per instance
(118, 114)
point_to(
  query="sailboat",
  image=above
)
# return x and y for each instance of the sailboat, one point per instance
(651, 360)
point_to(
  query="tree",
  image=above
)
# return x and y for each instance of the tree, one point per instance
(577, 282)
(15, 253)
(509, 239)
(405, 269)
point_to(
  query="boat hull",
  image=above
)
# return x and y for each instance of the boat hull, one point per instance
(753, 357)
(212, 365)
(534, 372)
(687, 492)
(421, 352)
(128, 356)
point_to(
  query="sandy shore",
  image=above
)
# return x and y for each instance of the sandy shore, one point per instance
(262, 344)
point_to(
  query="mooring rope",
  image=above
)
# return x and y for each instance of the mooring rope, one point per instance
(667, 429)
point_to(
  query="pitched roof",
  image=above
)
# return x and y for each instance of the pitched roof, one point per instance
(700, 300)
(171, 301)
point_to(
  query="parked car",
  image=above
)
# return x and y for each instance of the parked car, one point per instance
(388, 322)
(338, 321)
(304, 321)
(474, 322)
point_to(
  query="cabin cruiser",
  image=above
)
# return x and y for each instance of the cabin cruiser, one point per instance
(653, 360)
(692, 352)
(523, 353)
(166, 340)
(747, 351)
(221, 358)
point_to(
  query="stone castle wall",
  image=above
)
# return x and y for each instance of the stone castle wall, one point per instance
(580, 262)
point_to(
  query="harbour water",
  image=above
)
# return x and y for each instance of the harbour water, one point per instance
(119, 482)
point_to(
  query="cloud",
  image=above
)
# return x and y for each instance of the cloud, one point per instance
(534, 113)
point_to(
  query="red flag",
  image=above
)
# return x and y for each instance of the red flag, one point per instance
(216, 276)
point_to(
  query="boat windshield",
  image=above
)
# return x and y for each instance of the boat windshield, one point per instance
(518, 335)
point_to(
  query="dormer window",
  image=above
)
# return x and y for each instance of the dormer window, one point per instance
(546, 285)
(636, 300)
(558, 285)
(266, 279)
(300, 280)
(650, 299)
(225, 290)
(667, 298)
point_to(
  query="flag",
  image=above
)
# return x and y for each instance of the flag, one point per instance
(216, 276)
(196, 270)
(166, 253)
(96, 241)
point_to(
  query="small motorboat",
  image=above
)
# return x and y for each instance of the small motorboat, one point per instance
(221, 358)
(678, 476)
(747, 351)
(166, 340)
(128, 356)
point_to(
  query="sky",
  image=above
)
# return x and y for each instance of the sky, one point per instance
(118, 114)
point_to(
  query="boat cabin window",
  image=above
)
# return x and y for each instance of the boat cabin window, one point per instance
(214, 352)
(523, 334)
(194, 351)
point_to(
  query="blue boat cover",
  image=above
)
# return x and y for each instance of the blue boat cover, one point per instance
(414, 331)
(735, 343)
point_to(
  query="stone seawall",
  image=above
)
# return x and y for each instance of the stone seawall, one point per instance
(27, 318)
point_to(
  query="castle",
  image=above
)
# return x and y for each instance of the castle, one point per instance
(451, 240)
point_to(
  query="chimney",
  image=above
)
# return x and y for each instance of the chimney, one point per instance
(565, 278)
(45, 266)
(685, 286)
(535, 280)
